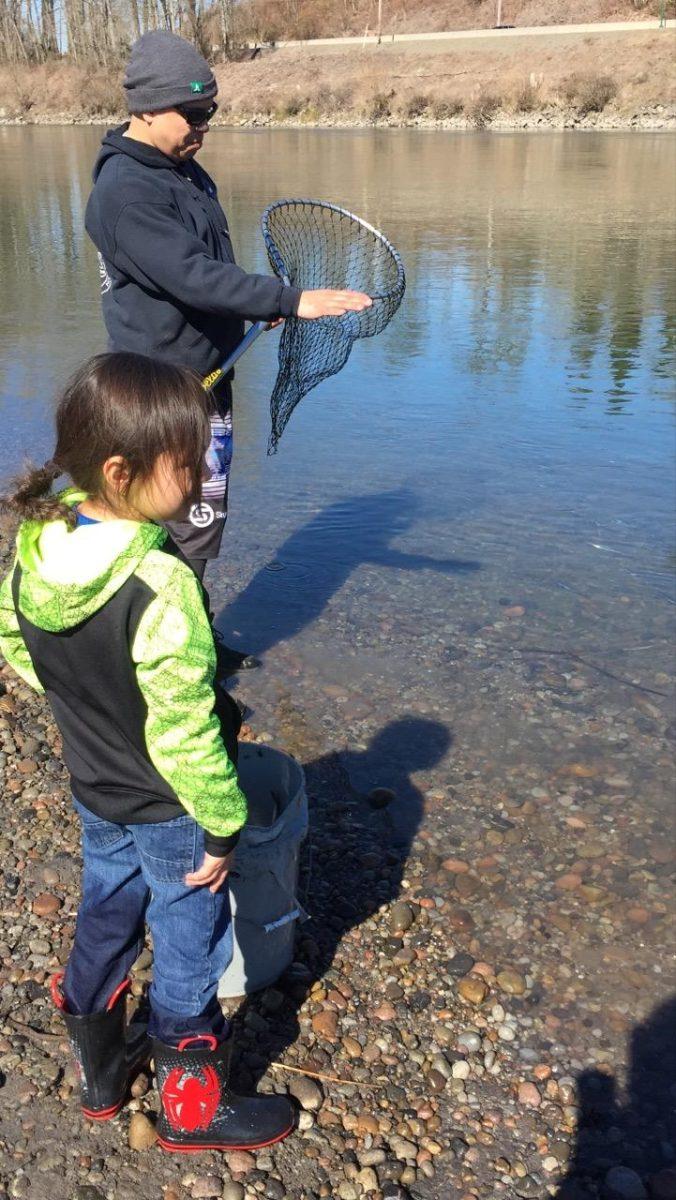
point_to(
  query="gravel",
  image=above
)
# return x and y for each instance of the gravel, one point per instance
(477, 1030)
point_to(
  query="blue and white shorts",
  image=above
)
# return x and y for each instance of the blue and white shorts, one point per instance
(201, 535)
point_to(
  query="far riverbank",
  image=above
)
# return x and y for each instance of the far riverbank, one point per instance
(596, 81)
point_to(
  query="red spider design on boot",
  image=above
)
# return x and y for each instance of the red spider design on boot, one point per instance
(199, 1111)
(191, 1102)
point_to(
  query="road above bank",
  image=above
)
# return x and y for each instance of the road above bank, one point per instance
(435, 40)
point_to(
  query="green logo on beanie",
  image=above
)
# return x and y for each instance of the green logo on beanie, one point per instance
(197, 86)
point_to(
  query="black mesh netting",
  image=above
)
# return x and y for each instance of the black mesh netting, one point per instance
(311, 245)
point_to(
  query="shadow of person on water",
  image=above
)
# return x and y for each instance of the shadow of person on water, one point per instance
(629, 1150)
(358, 854)
(285, 596)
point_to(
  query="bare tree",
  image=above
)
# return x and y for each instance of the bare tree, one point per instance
(99, 31)
(49, 40)
(135, 18)
(226, 24)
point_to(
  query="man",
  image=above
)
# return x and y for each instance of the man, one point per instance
(170, 286)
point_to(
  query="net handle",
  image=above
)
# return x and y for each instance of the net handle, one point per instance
(246, 343)
(252, 335)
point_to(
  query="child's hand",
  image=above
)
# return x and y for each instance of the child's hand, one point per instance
(214, 872)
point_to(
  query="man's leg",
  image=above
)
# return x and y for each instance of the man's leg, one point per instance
(199, 538)
(199, 566)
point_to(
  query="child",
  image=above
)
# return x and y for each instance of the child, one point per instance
(102, 614)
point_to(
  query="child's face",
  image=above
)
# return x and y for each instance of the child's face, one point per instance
(164, 495)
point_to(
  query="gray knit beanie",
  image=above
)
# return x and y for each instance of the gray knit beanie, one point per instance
(165, 70)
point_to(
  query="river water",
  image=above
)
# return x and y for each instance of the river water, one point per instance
(458, 569)
(509, 438)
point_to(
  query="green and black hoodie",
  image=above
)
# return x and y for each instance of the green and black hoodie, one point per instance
(112, 626)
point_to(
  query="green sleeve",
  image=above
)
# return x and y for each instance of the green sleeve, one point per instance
(175, 663)
(12, 644)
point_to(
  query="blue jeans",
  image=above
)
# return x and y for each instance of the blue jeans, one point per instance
(133, 874)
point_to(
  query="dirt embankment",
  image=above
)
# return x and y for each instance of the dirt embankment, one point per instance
(595, 80)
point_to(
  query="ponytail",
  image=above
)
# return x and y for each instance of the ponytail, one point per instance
(117, 404)
(30, 498)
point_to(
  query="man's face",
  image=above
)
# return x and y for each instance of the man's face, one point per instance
(173, 134)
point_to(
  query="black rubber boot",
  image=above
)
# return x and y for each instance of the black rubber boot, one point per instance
(229, 661)
(198, 1110)
(107, 1059)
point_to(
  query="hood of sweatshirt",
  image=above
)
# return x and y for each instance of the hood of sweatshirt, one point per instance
(69, 574)
(116, 143)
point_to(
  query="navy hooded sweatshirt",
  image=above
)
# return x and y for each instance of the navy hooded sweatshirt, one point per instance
(169, 282)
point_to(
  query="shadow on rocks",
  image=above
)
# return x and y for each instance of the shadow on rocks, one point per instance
(360, 842)
(312, 565)
(628, 1152)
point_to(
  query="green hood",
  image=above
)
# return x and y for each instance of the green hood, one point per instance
(69, 574)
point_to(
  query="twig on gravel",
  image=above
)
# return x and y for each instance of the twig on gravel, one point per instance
(325, 1078)
(592, 666)
(39, 1037)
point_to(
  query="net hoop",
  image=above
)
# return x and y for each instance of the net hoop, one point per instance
(280, 267)
(315, 245)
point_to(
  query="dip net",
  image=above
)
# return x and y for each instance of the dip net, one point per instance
(311, 245)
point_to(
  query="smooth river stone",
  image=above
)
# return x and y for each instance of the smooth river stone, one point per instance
(511, 982)
(474, 991)
(45, 904)
(529, 1094)
(401, 917)
(624, 1184)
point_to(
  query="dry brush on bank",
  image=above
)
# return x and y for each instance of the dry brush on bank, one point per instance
(552, 79)
(466, 81)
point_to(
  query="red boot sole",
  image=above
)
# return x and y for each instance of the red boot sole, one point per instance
(176, 1149)
(107, 1114)
(104, 1114)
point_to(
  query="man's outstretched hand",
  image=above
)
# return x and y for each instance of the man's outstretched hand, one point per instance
(328, 303)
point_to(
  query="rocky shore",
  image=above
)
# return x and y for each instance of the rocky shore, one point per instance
(653, 118)
(478, 1008)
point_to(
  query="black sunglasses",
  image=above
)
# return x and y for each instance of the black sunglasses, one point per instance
(196, 116)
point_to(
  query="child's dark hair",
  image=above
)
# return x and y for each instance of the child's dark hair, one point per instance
(123, 404)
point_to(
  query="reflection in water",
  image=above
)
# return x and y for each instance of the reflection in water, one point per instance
(540, 303)
(501, 235)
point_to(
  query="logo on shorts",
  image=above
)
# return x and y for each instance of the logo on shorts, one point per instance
(104, 277)
(201, 515)
(197, 86)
